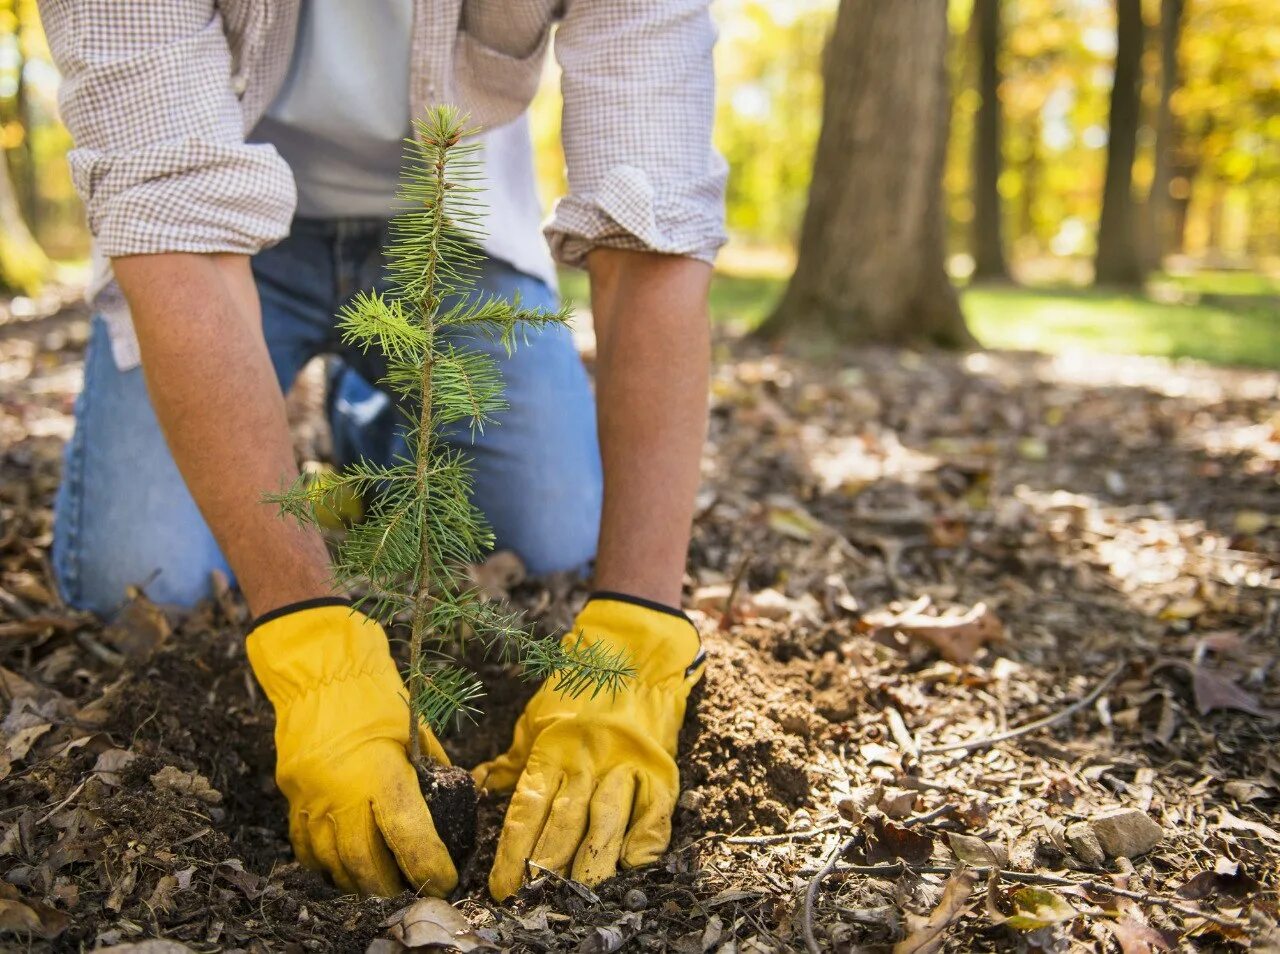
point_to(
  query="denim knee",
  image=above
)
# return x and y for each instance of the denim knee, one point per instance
(123, 516)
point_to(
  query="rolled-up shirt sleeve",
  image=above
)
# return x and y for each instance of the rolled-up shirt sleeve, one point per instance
(639, 102)
(160, 160)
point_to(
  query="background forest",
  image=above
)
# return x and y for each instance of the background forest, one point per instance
(1186, 147)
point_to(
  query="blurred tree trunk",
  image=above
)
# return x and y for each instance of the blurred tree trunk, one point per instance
(23, 263)
(988, 241)
(871, 253)
(1158, 210)
(1118, 261)
(1031, 169)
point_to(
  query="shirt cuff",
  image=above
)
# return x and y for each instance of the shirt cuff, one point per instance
(628, 211)
(188, 196)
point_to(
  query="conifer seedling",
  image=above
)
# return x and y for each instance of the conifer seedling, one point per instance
(411, 553)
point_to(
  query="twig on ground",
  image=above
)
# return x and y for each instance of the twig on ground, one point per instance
(62, 804)
(577, 887)
(901, 734)
(726, 618)
(972, 745)
(781, 836)
(811, 890)
(1028, 877)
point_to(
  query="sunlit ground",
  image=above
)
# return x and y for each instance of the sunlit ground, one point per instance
(1221, 317)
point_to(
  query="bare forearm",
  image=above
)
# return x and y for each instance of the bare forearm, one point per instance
(653, 357)
(222, 413)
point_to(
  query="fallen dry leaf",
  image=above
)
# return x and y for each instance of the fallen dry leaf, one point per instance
(1134, 937)
(1235, 823)
(928, 936)
(976, 852)
(139, 628)
(1228, 878)
(892, 842)
(1036, 908)
(436, 924)
(956, 636)
(173, 779)
(1213, 690)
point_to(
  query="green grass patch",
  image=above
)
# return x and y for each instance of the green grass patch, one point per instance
(1220, 317)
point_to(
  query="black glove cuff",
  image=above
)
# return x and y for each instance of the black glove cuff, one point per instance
(297, 608)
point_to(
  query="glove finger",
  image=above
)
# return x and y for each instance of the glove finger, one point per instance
(526, 817)
(324, 843)
(566, 824)
(500, 774)
(597, 858)
(650, 830)
(406, 825)
(365, 855)
(300, 838)
(431, 746)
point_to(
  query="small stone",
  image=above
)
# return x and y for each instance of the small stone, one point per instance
(1126, 833)
(691, 799)
(1084, 844)
(635, 900)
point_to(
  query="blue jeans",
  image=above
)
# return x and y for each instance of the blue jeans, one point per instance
(123, 514)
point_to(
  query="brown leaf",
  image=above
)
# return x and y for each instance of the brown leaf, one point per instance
(162, 896)
(956, 637)
(19, 744)
(1216, 691)
(1227, 877)
(976, 852)
(18, 918)
(893, 842)
(110, 763)
(138, 629)
(1134, 937)
(928, 936)
(431, 922)
(1235, 823)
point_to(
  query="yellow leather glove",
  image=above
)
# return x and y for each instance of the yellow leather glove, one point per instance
(356, 809)
(595, 778)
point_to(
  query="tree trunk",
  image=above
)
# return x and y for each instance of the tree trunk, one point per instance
(1158, 211)
(988, 242)
(1032, 170)
(23, 263)
(871, 252)
(1118, 261)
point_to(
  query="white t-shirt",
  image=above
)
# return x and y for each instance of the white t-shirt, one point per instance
(341, 118)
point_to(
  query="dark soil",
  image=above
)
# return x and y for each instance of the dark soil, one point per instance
(452, 799)
(1112, 511)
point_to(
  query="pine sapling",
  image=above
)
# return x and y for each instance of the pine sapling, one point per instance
(411, 554)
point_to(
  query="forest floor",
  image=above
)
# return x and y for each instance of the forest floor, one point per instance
(920, 551)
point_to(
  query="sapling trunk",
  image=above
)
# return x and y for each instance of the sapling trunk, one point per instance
(410, 555)
(426, 425)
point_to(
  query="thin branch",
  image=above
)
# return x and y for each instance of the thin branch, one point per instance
(811, 891)
(986, 742)
(781, 836)
(1052, 881)
(726, 618)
